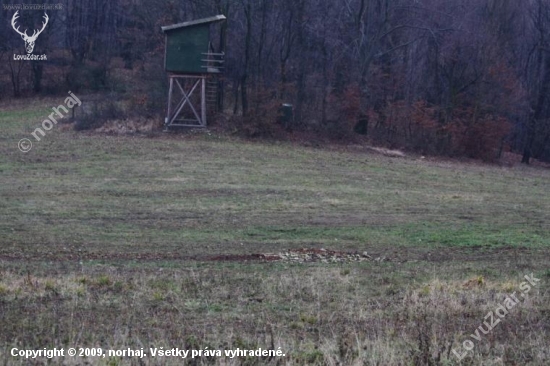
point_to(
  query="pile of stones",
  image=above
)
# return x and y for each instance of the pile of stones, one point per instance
(307, 255)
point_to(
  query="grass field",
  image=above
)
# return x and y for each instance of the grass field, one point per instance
(107, 241)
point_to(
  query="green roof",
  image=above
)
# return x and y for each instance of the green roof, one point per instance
(216, 18)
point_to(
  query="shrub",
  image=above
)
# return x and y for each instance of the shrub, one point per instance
(98, 114)
(262, 118)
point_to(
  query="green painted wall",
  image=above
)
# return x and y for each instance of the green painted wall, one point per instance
(185, 48)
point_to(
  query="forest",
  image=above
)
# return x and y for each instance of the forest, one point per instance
(460, 78)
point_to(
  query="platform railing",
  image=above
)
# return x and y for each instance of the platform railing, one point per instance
(213, 62)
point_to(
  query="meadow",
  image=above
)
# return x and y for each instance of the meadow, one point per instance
(118, 241)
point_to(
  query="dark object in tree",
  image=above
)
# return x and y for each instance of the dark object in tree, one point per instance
(286, 116)
(37, 72)
(362, 125)
(128, 56)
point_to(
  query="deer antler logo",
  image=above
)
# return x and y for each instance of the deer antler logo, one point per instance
(29, 41)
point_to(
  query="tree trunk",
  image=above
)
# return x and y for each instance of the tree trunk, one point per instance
(244, 77)
(540, 108)
(301, 93)
(223, 46)
(15, 72)
(37, 70)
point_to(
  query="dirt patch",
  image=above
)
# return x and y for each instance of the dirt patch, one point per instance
(387, 152)
(127, 126)
(304, 255)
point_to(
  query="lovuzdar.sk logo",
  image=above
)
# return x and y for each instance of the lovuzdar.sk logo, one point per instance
(29, 40)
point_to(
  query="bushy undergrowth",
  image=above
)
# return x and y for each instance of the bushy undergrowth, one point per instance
(317, 315)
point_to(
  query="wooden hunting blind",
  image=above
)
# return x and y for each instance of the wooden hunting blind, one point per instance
(192, 61)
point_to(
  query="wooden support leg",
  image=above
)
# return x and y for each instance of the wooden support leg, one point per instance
(203, 102)
(169, 111)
